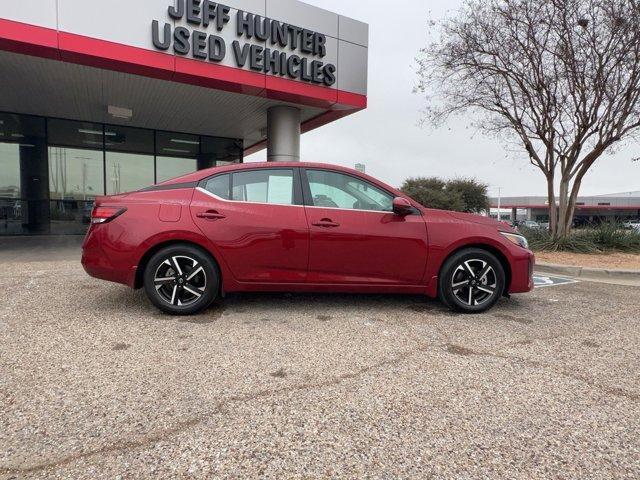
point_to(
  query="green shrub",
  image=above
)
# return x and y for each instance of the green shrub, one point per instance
(612, 236)
(606, 237)
(460, 194)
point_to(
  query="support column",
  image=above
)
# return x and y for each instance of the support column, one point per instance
(283, 134)
(34, 185)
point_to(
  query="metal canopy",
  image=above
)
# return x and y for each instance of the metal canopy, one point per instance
(40, 86)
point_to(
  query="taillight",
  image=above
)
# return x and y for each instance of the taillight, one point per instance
(106, 214)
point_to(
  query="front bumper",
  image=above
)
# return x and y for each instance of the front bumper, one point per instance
(522, 273)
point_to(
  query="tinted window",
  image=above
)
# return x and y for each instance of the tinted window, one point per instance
(216, 152)
(337, 190)
(24, 205)
(176, 154)
(219, 186)
(75, 174)
(67, 133)
(264, 186)
(129, 158)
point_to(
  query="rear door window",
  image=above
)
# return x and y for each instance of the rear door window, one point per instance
(264, 186)
(219, 186)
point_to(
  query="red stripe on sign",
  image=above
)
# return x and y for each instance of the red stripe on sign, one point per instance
(28, 39)
(352, 99)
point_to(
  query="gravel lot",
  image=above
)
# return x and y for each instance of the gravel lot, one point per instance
(95, 383)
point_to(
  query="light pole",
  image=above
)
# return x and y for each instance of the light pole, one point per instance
(499, 201)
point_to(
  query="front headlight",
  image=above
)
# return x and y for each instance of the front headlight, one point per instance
(517, 239)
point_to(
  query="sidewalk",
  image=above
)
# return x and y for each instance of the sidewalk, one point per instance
(603, 275)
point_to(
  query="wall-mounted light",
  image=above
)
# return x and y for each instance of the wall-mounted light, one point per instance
(175, 150)
(120, 112)
(89, 132)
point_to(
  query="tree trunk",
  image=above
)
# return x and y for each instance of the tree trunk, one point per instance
(563, 201)
(573, 200)
(551, 198)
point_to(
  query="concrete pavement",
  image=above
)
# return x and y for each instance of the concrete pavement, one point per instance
(95, 383)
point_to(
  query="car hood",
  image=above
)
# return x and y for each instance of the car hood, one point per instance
(482, 220)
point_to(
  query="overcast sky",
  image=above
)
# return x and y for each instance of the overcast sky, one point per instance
(386, 136)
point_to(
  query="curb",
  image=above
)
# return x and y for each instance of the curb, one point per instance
(587, 272)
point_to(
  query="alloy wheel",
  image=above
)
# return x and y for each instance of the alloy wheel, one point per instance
(474, 282)
(180, 280)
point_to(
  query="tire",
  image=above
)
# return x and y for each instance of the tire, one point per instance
(181, 280)
(463, 292)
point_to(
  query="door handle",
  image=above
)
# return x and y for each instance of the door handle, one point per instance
(211, 215)
(326, 223)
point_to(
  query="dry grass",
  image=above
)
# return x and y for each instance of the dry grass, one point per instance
(620, 261)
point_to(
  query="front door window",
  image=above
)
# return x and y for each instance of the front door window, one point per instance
(337, 190)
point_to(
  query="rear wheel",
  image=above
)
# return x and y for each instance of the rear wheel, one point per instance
(181, 280)
(471, 281)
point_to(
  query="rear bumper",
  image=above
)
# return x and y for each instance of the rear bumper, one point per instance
(98, 264)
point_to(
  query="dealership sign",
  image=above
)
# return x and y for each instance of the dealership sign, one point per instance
(203, 45)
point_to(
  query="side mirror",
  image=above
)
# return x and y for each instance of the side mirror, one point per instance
(402, 206)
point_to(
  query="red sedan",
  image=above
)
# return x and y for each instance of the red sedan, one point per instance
(298, 227)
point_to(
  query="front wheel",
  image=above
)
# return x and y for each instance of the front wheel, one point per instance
(471, 281)
(181, 280)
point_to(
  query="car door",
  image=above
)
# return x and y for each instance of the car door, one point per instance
(355, 236)
(256, 220)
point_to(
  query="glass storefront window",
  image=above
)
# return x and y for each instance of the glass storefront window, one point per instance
(127, 172)
(129, 159)
(216, 152)
(24, 206)
(10, 168)
(75, 174)
(177, 154)
(51, 170)
(67, 133)
(171, 167)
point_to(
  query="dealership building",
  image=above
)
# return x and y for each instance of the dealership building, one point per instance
(100, 98)
(619, 207)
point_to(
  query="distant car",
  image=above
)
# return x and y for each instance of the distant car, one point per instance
(298, 227)
(544, 225)
(632, 225)
(530, 224)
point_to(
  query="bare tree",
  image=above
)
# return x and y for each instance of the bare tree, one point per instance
(562, 77)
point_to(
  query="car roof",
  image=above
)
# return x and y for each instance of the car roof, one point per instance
(207, 172)
(238, 167)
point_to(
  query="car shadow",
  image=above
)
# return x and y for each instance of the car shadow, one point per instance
(317, 304)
